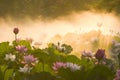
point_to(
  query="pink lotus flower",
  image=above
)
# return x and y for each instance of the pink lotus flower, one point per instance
(71, 66)
(21, 48)
(58, 65)
(100, 54)
(30, 60)
(15, 30)
(117, 75)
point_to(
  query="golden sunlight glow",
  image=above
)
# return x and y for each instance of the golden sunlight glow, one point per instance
(43, 31)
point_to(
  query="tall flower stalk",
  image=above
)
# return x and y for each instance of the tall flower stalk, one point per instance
(4, 73)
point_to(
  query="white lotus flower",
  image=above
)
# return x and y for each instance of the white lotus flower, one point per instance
(87, 53)
(10, 57)
(72, 66)
(25, 69)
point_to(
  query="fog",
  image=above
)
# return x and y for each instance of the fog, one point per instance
(43, 31)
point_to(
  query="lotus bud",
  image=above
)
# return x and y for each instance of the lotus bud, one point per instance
(16, 30)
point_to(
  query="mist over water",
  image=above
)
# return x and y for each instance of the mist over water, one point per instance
(43, 31)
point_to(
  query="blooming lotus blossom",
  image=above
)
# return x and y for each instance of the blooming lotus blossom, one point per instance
(117, 75)
(87, 54)
(58, 65)
(25, 69)
(10, 57)
(100, 54)
(30, 59)
(72, 66)
(21, 48)
(15, 30)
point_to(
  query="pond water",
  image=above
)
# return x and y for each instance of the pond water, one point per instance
(43, 31)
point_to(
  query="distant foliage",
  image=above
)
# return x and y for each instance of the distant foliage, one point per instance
(51, 9)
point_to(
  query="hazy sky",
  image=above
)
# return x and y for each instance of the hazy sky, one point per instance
(42, 31)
